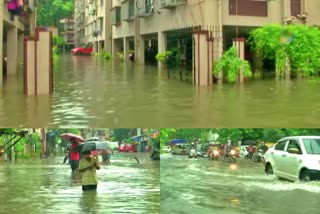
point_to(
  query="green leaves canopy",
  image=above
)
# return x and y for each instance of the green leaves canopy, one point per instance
(230, 64)
(50, 12)
(302, 48)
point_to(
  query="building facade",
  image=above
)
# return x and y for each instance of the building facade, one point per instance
(166, 24)
(68, 33)
(93, 24)
(14, 26)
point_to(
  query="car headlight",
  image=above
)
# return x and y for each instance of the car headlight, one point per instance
(233, 152)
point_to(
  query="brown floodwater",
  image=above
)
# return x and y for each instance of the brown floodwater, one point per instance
(92, 92)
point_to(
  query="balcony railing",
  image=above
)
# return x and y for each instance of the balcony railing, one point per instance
(170, 4)
(145, 10)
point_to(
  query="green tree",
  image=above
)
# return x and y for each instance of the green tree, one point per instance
(230, 65)
(121, 134)
(50, 12)
(298, 44)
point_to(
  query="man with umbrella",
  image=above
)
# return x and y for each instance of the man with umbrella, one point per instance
(74, 155)
(88, 166)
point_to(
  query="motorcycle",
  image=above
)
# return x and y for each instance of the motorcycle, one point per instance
(193, 153)
(258, 156)
(231, 156)
(214, 155)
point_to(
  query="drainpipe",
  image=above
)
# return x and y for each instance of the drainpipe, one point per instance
(220, 38)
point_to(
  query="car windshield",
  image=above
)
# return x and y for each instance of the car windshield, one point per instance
(312, 146)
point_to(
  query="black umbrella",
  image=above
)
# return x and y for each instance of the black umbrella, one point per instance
(94, 145)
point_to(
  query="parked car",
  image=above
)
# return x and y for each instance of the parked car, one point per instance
(85, 50)
(167, 149)
(295, 158)
(127, 148)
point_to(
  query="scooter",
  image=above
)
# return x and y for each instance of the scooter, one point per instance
(231, 156)
(215, 155)
(258, 156)
(193, 153)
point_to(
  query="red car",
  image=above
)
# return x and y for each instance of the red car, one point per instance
(127, 148)
(85, 50)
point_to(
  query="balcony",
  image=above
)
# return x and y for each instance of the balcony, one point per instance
(171, 4)
(145, 10)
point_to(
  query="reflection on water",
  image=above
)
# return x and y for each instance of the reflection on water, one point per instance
(89, 91)
(48, 186)
(202, 186)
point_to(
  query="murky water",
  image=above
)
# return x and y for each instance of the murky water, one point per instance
(202, 186)
(89, 91)
(47, 186)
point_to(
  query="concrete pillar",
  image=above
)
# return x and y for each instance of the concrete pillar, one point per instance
(239, 43)
(20, 49)
(139, 49)
(162, 45)
(12, 50)
(98, 47)
(126, 48)
(115, 48)
(1, 44)
(203, 57)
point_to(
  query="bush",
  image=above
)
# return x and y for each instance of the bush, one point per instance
(230, 64)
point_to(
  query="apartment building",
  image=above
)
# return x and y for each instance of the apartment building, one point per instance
(13, 27)
(164, 24)
(68, 33)
(93, 24)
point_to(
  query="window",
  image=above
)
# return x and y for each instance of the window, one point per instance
(312, 146)
(295, 7)
(116, 16)
(248, 8)
(149, 6)
(131, 9)
(281, 145)
(293, 144)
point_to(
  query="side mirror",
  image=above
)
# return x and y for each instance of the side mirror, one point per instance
(294, 151)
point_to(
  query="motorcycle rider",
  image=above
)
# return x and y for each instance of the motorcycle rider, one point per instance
(250, 150)
(227, 149)
(263, 147)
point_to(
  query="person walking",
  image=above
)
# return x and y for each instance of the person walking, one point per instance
(87, 167)
(74, 155)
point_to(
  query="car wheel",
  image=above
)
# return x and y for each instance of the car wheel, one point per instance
(305, 175)
(269, 169)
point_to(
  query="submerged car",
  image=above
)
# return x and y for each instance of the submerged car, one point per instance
(85, 50)
(295, 158)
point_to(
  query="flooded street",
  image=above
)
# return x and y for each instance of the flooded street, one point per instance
(89, 91)
(47, 186)
(202, 186)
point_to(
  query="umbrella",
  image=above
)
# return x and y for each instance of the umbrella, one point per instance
(94, 145)
(68, 136)
(93, 139)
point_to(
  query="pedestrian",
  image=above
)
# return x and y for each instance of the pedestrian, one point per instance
(106, 155)
(87, 167)
(74, 155)
(251, 150)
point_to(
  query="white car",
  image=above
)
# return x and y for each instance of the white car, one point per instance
(167, 149)
(295, 158)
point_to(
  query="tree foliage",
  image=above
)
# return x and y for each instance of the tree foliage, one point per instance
(300, 43)
(50, 12)
(230, 65)
(121, 134)
(269, 135)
